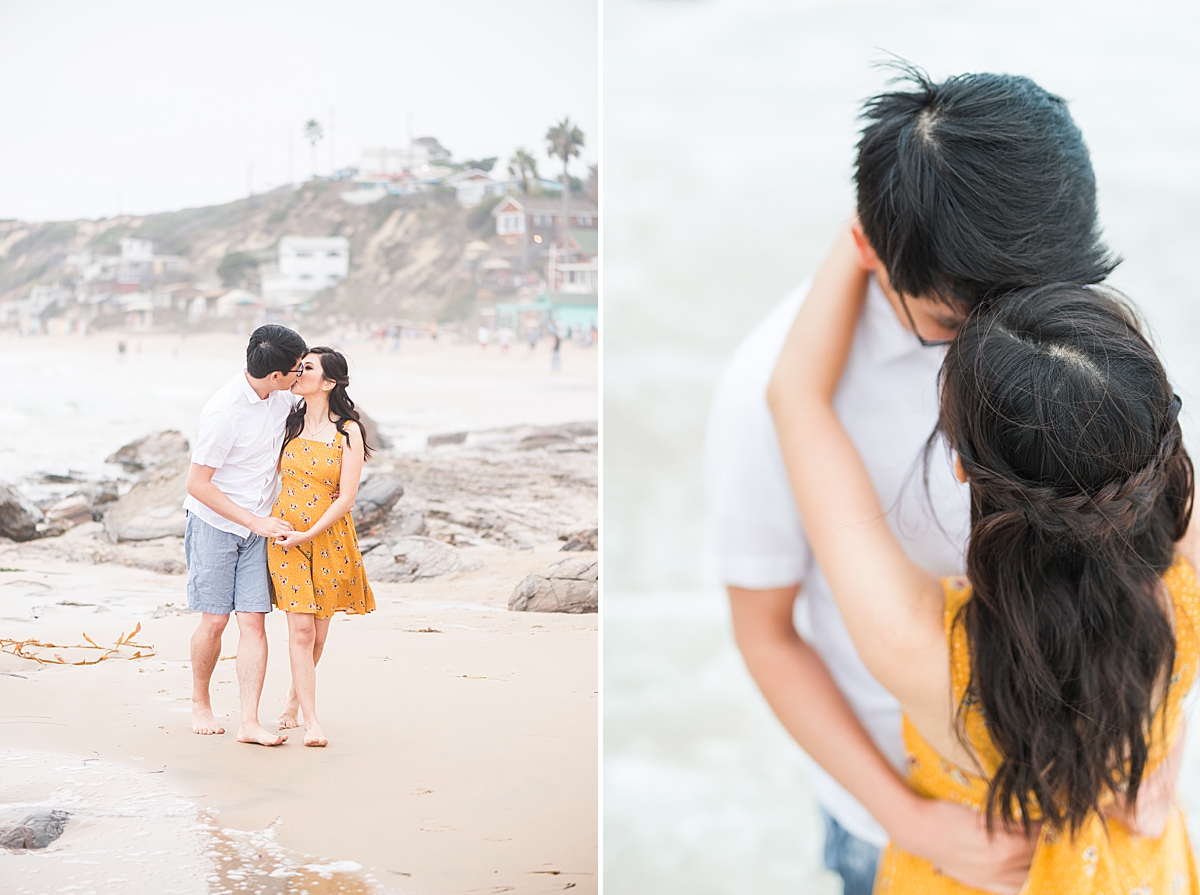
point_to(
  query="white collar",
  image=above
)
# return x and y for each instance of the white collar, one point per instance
(885, 337)
(248, 389)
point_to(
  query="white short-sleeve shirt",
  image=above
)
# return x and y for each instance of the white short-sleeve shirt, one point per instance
(887, 400)
(240, 436)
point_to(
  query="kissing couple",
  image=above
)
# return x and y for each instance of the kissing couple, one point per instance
(251, 545)
(951, 503)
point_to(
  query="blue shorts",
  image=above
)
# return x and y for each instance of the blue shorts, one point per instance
(226, 573)
(851, 858)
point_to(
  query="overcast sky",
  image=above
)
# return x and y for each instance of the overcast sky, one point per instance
(139, 106)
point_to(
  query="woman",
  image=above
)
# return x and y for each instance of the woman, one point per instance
(317, 569)
(1074, 637)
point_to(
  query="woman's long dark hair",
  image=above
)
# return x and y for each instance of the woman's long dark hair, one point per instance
(1068, 431)
(335, 369)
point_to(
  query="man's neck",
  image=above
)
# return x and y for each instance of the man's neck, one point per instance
(262, 387)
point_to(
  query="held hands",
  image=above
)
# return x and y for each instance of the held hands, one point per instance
(269, 526)
(292, 538)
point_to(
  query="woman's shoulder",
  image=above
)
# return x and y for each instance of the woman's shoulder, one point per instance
(348, 428)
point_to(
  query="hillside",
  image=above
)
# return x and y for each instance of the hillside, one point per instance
(406, 252)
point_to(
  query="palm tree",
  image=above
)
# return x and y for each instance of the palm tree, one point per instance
(523, 166)
(313, 134)
(564, 140)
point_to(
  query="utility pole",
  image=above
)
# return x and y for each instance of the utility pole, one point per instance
(411, 144)
(332, 166)
(291, 158)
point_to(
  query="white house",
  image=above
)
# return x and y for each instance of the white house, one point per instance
(305, 266)
(472, 185)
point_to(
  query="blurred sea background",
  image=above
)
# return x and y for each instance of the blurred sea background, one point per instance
(729, 141)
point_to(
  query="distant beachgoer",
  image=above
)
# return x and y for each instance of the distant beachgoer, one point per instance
(231, 485)
(505, 337)
(533, 339)
(556, 354)
(120, 349)
(316, 568)
(483, 337)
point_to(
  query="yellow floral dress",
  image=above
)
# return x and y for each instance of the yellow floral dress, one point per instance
(324, 575)
(1116, 863)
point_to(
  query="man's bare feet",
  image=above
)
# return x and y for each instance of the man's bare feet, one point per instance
(313, 736)
(257, 734)
(289, 717)
(203, 721)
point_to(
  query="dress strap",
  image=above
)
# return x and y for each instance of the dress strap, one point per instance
(956, 591)
(1184, 590)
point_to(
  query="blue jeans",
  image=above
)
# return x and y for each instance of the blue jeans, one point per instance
(850, 857)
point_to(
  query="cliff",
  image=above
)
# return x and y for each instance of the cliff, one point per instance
(406, 252)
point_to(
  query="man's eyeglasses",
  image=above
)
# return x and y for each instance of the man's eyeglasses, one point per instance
(925, 343)
(300, 369)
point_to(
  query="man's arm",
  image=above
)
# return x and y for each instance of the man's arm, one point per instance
(201, 487)
(804, 697)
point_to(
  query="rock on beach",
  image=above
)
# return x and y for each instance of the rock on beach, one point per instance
(569, 585)
(152, 450)
(415, 558)
(585, 539)
(35, 830)
(153, 508)
(19, 517)
(376, 497)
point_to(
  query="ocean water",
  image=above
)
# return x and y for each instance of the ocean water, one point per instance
(729, 135)
(72, 401)
(128, 833)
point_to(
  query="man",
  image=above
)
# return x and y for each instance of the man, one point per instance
(232, 484)
(966, 190)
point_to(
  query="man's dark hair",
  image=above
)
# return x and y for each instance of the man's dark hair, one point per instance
(977, 186)
(273, 348)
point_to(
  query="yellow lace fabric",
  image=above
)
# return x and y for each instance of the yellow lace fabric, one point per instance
(324, 575)
(1095, 861)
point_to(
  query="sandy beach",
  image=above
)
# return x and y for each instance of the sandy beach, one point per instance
(463, 751)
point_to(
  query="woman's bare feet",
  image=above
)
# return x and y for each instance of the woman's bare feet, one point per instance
(257, 734)
(203, 721)
(313, 736)
(289, 717)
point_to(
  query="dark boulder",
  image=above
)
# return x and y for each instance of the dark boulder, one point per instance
(36, 830)
(376, 497)
(582, 540)
(19, 516)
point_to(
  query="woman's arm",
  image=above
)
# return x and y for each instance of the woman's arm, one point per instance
(803, 695)
(892, 607)
(347, 493)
